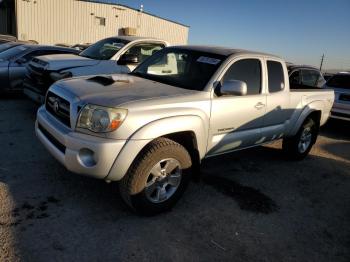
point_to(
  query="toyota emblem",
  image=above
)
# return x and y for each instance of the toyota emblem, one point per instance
(56, 106)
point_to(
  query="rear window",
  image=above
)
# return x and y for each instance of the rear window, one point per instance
(276, 76)
(339, 81)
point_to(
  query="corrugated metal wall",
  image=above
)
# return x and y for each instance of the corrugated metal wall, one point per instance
(71, 21)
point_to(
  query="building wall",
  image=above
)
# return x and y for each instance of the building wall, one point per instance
(72, 21)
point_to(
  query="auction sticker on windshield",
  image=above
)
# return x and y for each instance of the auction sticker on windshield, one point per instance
(208, 60)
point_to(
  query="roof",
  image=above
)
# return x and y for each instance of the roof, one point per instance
(220, 50)
(133, 38)
(293, 66)
(49, 47)
(108, 2)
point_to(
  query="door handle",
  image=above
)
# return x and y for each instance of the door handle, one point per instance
(259, 106)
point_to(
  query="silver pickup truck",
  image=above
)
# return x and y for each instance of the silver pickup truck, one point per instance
(108, 56)
(151, 129)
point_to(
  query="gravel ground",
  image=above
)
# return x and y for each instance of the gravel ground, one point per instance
(248, 206)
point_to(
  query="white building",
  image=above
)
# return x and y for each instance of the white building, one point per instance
(82, 21)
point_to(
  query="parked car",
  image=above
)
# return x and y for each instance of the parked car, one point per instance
(305, 77)
(81, 47)
(7, 38)
(151, 128)
(13, 63)
(111, 55)
(8, 45)
(11, 39)
(327, 76)
(340, 83)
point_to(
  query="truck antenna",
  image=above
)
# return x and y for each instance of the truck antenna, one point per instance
(321, 62)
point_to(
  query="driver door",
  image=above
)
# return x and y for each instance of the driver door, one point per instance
(236, 121)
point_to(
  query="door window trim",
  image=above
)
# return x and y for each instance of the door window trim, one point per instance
(128, 46)
(226, 67)
(284, 71)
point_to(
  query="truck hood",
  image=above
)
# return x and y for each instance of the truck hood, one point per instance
(63, 61)
(123, 89)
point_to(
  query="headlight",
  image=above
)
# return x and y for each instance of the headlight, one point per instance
(101, 119)
(59, 76)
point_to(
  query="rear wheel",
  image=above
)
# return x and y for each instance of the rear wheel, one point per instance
(157, 178)
(299, 146)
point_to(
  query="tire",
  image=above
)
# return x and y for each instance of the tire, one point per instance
(299, 146)
(150, 185)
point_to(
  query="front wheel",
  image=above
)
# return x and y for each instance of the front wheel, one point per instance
(157, 178)
(299, 146)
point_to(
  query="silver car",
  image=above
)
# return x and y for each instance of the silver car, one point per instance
(341, 84)
(13, 62)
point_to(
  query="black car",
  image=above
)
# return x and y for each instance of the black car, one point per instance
(305, 77)
(13, 62)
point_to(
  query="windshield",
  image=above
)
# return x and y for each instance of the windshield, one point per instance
(339, 81)
(12, 52)
(104, 49)
(183, 68)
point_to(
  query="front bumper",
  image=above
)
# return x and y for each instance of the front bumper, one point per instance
(79, 153)
(35, 94)
(341, 111)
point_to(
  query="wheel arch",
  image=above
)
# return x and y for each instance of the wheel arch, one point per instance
(313, 110)
(189, 131)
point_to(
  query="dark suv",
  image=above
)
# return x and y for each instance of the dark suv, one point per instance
(305, 77)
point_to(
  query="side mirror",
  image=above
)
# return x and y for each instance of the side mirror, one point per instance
(234, 88)
(128, 59)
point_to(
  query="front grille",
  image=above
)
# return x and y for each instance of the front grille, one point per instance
(40, 78)
(58, 107)
(344, 97)
(53, 140)
(340, 114)
(39, 62)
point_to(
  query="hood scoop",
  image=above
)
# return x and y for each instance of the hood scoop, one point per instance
(107, 80)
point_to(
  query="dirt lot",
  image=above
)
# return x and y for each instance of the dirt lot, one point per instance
(249, 206)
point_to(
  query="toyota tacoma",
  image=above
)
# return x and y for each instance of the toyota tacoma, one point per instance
(150, 129)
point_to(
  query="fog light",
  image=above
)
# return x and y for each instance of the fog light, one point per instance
(86, 157)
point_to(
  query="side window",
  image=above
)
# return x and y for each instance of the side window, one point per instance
(276, 76)
(294, 79)
(310, 78)
(143, 51)
(100, 21)
(248, 71)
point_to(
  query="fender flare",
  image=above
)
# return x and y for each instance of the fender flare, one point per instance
(308, 109)
(153, 130)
